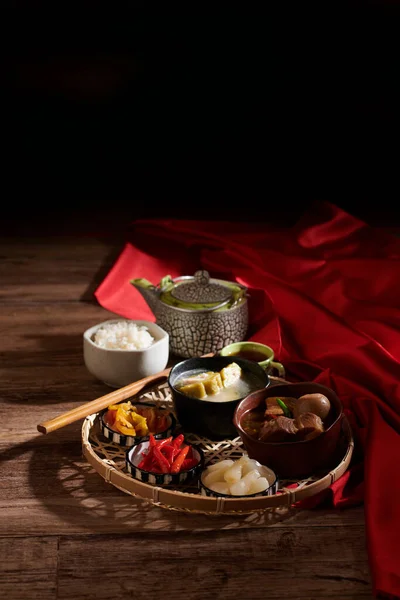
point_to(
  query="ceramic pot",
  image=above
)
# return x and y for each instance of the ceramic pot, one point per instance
(200, 314)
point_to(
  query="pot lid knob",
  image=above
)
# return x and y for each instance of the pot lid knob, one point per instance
(201, 291)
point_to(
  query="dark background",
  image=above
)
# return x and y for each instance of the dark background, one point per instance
(242, 115)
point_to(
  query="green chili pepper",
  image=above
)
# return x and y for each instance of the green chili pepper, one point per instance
(285, 409)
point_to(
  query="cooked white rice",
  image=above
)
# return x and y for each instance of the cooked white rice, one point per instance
(123, 335)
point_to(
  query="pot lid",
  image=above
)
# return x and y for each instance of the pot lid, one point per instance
(199, 290)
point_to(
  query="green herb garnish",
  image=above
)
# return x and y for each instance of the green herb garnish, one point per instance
(285, 409)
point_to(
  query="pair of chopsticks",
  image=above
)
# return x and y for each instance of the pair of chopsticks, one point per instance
(94, 406)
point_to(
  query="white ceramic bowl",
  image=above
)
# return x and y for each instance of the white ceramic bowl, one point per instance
(116, 367)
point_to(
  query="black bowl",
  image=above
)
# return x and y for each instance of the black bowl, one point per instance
(213, 420)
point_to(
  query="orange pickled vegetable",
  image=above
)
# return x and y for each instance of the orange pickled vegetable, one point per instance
(128, 419)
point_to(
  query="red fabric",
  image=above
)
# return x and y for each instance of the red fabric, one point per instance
(325, 294)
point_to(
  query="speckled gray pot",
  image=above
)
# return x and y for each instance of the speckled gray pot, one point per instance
(196, 333)
(199, 313)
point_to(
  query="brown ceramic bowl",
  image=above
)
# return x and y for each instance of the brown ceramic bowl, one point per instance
(292, 459)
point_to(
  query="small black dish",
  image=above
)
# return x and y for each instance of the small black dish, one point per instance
(129, 440)
(135, 454)
(211, 419)
(266, 472)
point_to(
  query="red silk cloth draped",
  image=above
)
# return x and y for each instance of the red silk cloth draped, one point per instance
(325, 294)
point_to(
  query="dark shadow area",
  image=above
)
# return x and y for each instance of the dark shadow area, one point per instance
(230, 115)
(65, 483)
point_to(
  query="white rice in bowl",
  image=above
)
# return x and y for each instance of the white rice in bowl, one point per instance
(123, 335)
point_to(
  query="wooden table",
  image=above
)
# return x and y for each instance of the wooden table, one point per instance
(65, 532)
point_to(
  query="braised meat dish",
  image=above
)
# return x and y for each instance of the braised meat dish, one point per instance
(285, 419)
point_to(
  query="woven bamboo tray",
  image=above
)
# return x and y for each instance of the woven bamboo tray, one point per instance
(108, 459)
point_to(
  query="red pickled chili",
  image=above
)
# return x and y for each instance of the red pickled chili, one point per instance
(169, 455)
(161, 460)
(178, 441)
(169, 452)
(177, 464)
(164, 442)
(146, 461)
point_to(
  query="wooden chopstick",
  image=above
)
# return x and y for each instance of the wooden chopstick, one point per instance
(94, 406)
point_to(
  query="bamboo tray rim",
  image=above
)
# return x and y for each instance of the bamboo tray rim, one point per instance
(175, 499)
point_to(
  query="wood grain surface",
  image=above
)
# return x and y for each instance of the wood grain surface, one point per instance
(65, 532)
